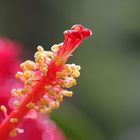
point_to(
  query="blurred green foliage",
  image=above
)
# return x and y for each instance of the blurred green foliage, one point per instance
(75, 123)
(106, 103)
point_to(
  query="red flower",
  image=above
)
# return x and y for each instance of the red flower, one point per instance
(45, 80)
(37, 129)
(41, 128)
(9, 62)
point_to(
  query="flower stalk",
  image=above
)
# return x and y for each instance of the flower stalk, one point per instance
(45, 81)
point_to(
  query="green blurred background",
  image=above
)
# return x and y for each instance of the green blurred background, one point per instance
(106, 103)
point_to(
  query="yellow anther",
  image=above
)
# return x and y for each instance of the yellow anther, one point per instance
(40, 57)
(16, 103)
(55, 48)
(14, 92)
(36, 54)
(54, 104)
(24, 90)
(19, 91)
(51, 93)
(28, 82)
(19, 74)
(48, 53)
(78, 67)
(13, 133)
(67, 93)
(73, 66)
(40, 49)
(30, 65)
(43, 102)
(13, 120)
(74, 82)
(44, 65)
(62, 83)
(27, 74)
(44, 70)
(68, 69)
(60, 75)
(59, 97)
(22, 66)
(42, 110)
(75, 74)
(48, 110)
(3, 108)
(30, 105)
(70, 83)
(38, 61)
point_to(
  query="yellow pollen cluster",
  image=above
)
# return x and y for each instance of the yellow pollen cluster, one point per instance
(13, 120)
(55, 90)
(3, 108)
(13, 133)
